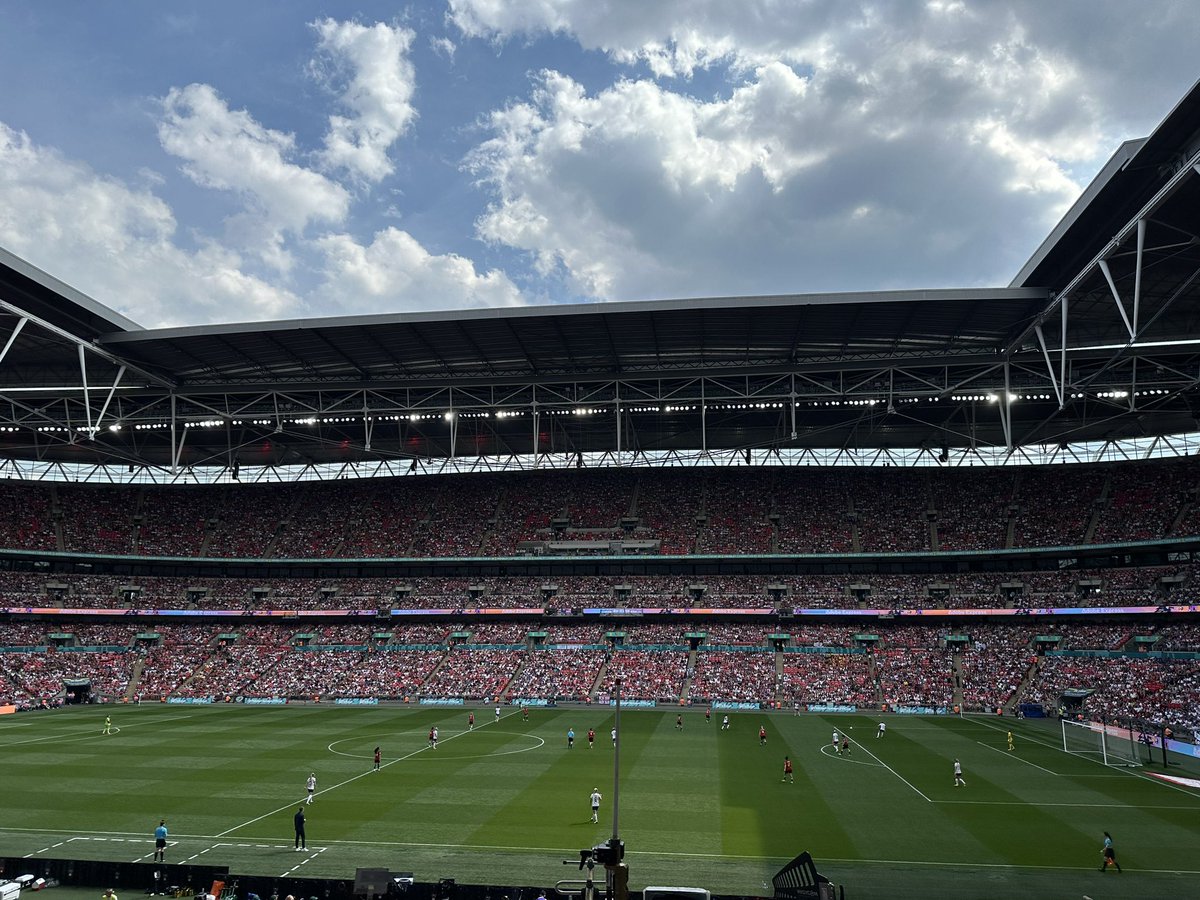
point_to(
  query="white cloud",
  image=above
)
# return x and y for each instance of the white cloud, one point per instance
(638, 191)
(444, 46)
(368, 67)
(228, 150)
(117, 243)
(395, 272)
(883, 146)
(120, 245)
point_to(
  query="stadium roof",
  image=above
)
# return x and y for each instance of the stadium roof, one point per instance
(515, 344)
(1097, 338)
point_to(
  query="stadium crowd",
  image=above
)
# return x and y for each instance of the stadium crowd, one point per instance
(547, 649)
(1149, 586)
(982, 666)
(720, 510)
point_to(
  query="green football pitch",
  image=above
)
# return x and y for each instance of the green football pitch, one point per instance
(506, 802)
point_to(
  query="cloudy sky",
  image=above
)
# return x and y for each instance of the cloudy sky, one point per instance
(191, 162)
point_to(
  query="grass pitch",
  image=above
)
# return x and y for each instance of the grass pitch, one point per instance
(506, 802)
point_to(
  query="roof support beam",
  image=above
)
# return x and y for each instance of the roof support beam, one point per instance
(83, 344)
(1055, 383)
(13, 337)
(1006, 410)
(1190, 168)
(108, 399)
(1137, 276)
(1112, 286)
(87, 403)
(179, 449)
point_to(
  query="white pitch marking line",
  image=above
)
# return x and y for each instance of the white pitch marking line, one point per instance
(963, 865)
(1014, 756)
(310, 857)
(151, 853)
(893, 771)
(349, 780)
(860, 762)
(668, 853)
(1039, 803)
(81, 735)
(195, 855)
(47, 831)
(52, 847)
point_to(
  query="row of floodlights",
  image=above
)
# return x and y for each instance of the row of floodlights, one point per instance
(1013, 398)
(587, 411)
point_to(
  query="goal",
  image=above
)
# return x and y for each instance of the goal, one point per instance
(1107, 744)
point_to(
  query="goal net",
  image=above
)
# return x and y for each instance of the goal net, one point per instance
(1107, 744)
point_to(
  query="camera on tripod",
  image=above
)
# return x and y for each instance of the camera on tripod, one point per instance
(607, 854)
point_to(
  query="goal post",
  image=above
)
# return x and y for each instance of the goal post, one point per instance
(1110, 745)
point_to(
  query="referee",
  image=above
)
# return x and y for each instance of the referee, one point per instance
(160, 841)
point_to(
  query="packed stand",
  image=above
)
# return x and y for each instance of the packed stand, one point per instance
(459, 517)
(27, 522)
(38, 677)
(473, 674)
(98, 519)
(892, 509)
(648, 675)
(173, 522)
(813, 509)
(994, 664)
(668, 506)
(1146, 689)
(972, 508)
(733, 676)
(915, 677)
(1055, 504)
(736, 508)
(558, 675)
(1143, 500)
(827, 678)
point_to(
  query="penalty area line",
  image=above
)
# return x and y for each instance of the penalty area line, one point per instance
(1013, 755)
(894, 772)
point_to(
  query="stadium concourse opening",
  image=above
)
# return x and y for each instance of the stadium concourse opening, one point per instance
(356, 594)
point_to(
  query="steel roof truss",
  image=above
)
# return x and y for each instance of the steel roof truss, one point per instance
(823, 388)
(1116, 295)
(81, 343)
(1167, 303)
(12, 338)
(1054, 382)
(920, 379)
(107, 400)
(600, 392)
(962, 383)
(869, 378)
(1192, 167)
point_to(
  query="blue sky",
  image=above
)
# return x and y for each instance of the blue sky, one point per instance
(214, 162)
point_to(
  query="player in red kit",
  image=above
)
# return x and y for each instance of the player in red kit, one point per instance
(591, 738)
(762, 735)
(787, 770)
